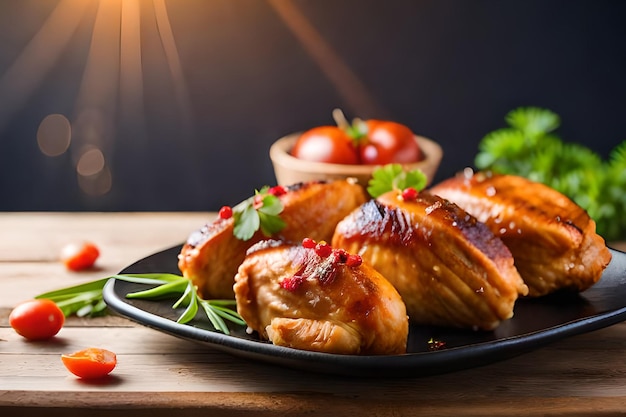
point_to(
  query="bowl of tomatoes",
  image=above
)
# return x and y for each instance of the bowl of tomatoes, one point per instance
(352, 150)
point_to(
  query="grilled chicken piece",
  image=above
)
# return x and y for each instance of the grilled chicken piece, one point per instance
(449, 268)
(553, 240)
(211, 255)
(330, 303)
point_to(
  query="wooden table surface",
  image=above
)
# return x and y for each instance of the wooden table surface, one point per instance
(158, 374)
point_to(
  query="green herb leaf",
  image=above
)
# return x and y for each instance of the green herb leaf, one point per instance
(394, 177)
(533, 121)
(72, 291)
(81, 300)
(149, 278)
(260, 212)
(160, 291)
(190, 298)
(271, 205)
(86, 299)
(247, 222)
(270, 224)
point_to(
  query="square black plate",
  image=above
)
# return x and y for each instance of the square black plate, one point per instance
(536, 323)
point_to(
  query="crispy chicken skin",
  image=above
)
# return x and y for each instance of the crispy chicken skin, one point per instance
(553, 240)
(296, 298)
(449, 268)
(211, 255)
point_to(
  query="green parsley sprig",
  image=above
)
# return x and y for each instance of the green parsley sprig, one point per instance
(86, 299)
(394, 177)
(529, 147)
(261, 211)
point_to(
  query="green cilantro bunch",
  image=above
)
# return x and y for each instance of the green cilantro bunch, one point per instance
(529, 147)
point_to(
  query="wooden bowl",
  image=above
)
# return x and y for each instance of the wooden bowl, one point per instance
(291, 170)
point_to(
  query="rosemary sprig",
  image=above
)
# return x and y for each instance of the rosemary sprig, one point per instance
(86, 299)
(82, 300)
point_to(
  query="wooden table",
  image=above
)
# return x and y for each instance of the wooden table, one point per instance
(158, 374)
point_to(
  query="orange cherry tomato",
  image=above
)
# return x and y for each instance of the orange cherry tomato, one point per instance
(37, 319)
(388, 142)
(90, 363)
(326, 144)
(79, 256)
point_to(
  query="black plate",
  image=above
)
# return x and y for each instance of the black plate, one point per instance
(537, 322)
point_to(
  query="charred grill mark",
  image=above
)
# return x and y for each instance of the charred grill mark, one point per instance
(506, 203)
(401, 226)
(570, 223)
(379, 221)
(476, 232)
(381, 208)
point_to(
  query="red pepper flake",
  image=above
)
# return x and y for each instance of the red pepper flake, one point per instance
(277, 190)
(409, 194)
(354, 260)
(323, 249)
(342, 255)
(292, 283)
(324, 270)
(225, 212)
(308, 243)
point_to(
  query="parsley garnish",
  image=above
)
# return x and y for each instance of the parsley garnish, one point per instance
(86, 300)
(262, 211)
(529, 147)
(394, 177)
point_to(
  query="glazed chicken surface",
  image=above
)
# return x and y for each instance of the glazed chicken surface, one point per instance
(295, 297)
(211, 255)
(449, 268)
(553, 240)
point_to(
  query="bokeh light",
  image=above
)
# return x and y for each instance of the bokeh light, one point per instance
(91, 162)
(54, 135)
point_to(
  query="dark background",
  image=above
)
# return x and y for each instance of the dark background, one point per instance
(449, 69)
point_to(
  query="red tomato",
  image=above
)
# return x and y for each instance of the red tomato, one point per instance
(79, 256)
(388, 142)
(326, 144)
(90, 363)
(37, 319)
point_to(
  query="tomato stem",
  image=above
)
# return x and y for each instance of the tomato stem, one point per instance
(340, 120)
(356, 131)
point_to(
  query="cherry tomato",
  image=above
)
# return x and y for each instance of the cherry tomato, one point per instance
(79, 256)
(90, 363)
(37, 319)
(326, 144)
(388, 142)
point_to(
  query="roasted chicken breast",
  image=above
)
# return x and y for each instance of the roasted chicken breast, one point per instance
(553, 240)
(449, 268)
(327, 302)
(211, 255)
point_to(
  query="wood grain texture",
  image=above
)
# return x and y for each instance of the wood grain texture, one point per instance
(158, 374)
